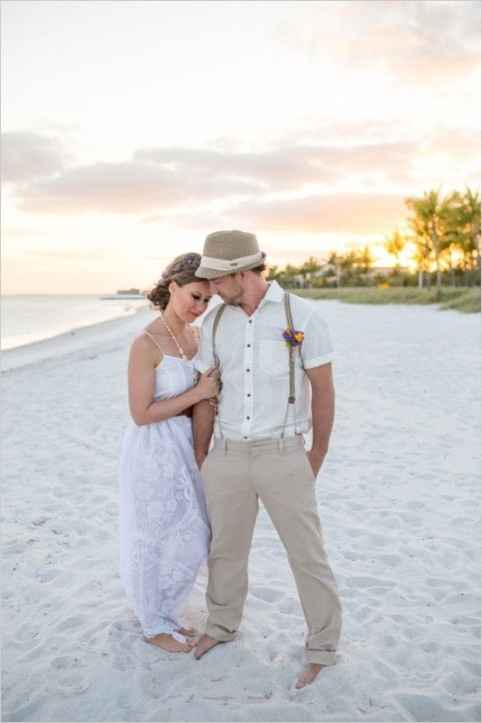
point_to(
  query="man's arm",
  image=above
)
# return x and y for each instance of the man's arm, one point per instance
(202, 429)
(323, 412)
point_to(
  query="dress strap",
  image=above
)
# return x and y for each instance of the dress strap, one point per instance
(197, 333)
(148, 334)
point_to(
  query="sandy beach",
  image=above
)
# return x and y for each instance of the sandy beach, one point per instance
(399, 499)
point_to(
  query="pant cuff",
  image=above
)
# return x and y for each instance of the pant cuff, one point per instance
(321, 657)
(219, 634)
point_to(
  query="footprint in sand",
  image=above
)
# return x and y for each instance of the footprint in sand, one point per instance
(47, 574)
(27, 632)
(290, 606)
(366, 581)
(364, 613)
(425, 708)
(391, 560)
(73, 683)
(76, 621)
(65, 662)
(26, 711)
(267, 594)
(458, 683)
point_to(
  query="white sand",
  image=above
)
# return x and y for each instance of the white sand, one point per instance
(399, 499)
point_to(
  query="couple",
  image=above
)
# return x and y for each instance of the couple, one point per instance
(258, 375)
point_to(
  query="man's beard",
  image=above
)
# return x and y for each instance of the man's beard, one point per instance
(234, 300)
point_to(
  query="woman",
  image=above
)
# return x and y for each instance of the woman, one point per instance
(164, 530)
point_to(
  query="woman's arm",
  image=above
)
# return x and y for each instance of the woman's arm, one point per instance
(143, 360)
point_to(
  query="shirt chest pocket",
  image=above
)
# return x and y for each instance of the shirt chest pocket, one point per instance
(274, 358)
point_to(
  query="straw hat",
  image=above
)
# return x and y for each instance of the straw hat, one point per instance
(227, 252)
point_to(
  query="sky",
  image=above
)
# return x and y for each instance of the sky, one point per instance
(131, 130)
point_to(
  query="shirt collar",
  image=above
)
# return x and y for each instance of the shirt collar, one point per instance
(274, 293)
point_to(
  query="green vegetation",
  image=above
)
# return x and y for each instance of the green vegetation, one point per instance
(445, 233)
(443, 241)
(459, 299)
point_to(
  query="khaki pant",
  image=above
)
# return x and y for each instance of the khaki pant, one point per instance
(235, 475)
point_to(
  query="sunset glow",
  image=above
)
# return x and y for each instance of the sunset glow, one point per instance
(133, 129)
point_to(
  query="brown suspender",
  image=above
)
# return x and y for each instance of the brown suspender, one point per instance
(291, 349)
(217, 319)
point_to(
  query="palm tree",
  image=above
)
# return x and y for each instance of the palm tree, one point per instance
(394, 245)
(309, 267)
(464, 226)
(335, 260)
(273, 273)
(431, 215)
(364, 260)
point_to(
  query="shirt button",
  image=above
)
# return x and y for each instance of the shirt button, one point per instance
(248, 417)
(248, 345)
(246, 438)
(248, 370)
(250, 321)
(248, 395)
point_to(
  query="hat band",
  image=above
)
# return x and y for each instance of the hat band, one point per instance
(230, 264)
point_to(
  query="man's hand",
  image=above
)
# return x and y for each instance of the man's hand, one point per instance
(315, 457)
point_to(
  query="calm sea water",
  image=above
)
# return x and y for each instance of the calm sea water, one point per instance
(26, 319)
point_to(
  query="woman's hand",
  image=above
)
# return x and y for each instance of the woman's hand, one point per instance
(200, 457)
(208, 384)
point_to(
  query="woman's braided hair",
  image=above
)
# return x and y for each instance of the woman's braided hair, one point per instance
(182, 271)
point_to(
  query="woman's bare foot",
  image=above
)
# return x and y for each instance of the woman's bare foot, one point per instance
(309, 674)
(188, 632)
(170, 644)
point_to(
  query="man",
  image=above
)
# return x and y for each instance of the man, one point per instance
(264, 408)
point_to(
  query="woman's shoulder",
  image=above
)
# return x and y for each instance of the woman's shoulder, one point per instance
(146, 344)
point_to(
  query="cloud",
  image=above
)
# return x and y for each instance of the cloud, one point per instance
(465, 145)
(414, 41)
(168, 183)
(168, 179)
(26, 156)
(437, 41)
(354, 213)
(286, 168)
(131, 187)
(73, 255)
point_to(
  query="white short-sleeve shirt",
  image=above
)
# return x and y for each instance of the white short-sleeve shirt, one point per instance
(254, 365)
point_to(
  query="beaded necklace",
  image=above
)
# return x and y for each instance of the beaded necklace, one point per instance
(171, 333)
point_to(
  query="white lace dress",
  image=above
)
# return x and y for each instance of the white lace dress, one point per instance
(164, 529)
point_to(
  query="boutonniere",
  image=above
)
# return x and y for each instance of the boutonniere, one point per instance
(293, 337)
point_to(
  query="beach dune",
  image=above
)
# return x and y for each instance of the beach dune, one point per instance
(399, 500)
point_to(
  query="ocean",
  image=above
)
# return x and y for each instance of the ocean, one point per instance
(26, 319)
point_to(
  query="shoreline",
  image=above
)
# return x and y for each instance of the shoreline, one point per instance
(85, 337)
(76, 339)
(77, 324)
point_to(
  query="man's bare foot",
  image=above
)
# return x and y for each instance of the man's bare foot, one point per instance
(309, 674)
(204, 644)
(170, 644)
(188, 632)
